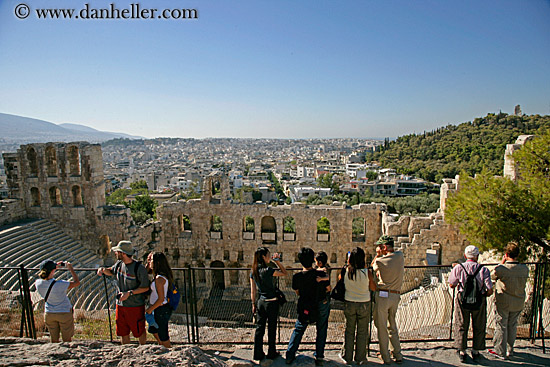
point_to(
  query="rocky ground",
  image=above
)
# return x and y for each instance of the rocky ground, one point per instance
(28, 352)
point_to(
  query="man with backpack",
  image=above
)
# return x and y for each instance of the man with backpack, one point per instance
(473, 281)
(313, 306)
(133, 283)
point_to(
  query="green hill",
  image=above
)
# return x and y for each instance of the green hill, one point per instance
(470, 146)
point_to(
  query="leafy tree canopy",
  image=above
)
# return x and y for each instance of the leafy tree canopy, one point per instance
(491, 211)
(447, 151)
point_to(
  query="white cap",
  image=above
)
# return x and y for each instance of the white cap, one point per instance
(471, 252)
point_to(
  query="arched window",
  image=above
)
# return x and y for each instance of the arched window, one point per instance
(33, 162)
(269, 230)
(358, 229)
(55, 196)
(248, 228)
(77, 195)
(35, 196)
(51, 162)
(184, 223)
(289, 225)
(323, 229)
(216, 227)
(73, 155)
(289, 229)
(248, 224)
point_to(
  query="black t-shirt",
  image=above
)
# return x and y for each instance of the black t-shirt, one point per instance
(310, 291)
(265, 286)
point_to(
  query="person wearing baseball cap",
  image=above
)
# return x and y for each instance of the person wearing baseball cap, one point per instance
(389, 268)
(133, 282)
(58, 315)
(463, 313)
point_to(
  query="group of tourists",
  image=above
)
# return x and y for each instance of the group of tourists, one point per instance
(377, 291)
(312, 285)
(135, 291)
(366, 290)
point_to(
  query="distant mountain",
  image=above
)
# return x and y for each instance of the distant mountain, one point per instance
(87, 129)
(16, 130)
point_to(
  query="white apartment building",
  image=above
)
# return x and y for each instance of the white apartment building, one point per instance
(301, 192)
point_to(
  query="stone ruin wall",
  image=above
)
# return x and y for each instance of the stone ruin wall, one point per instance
(198, 248)
(63, 182)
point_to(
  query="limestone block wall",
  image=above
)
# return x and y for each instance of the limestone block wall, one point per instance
(62, 182)
(509, 166)
(416, 235)
(199, 247)
(11, 210)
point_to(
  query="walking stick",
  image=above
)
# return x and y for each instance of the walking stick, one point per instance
(108, 306)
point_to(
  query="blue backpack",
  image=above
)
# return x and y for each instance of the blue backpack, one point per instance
(174, 297)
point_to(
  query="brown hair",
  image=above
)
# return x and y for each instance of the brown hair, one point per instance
(161, 267)
(512, 250)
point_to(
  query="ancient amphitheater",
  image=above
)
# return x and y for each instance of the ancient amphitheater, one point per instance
(57, 210)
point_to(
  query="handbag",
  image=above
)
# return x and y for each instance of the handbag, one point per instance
(281, 299)
(339, 291)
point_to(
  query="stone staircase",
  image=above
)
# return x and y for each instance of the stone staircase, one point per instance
(32, 242)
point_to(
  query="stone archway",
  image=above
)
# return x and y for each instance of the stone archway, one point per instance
(218, 277)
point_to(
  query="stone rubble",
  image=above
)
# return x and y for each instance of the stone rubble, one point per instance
(28, 352)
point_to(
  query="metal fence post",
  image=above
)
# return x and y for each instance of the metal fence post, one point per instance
(541, 306)
(108, 306)
(534, 305)
(27, 303)
(186, 295)
(196, 313)
(23, 308)
(452, 314)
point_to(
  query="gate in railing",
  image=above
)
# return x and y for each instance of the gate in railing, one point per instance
(216, 306)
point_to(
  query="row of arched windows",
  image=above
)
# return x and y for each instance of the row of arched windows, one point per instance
(51, 164)
(269, 226)
(55, 197)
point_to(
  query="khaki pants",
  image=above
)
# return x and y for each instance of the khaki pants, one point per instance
(505, 329)
(60, 322)
(357, 326)
(384, 319)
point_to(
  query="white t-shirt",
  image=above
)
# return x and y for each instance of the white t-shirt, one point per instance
(154, 295)
(57, 300)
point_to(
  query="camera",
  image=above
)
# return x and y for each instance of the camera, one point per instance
(62, 263)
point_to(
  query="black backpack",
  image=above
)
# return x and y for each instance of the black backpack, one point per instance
(471, 297)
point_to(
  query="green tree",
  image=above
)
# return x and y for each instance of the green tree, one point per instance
(289, 225)
(371, 175)
(248, 224)
(144, 203)
(141, 184)
(491, 211)
(323, 225)
(216, 224)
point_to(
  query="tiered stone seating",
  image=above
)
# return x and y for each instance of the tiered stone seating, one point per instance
(31, 242)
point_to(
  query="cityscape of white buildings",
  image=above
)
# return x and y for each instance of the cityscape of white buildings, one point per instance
(179, 165)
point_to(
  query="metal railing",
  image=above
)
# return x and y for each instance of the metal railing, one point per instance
(215, 306)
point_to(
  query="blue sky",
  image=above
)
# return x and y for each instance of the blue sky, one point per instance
(278, 68)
